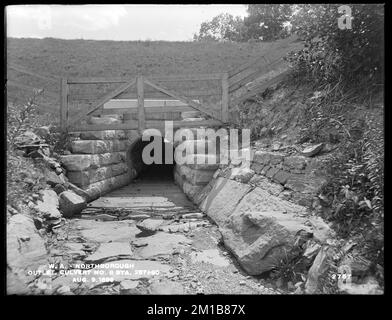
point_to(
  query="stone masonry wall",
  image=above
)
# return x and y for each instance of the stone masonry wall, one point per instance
(99, 161)
(300, 177)
(295, 178)
(199, 167)
(258, 209)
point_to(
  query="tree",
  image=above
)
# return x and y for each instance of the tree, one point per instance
(332, 53)
(267, 21)
(223, 27)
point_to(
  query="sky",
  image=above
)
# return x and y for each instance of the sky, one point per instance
(113, 22)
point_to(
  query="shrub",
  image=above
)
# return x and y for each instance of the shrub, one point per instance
(356, 182)
(20, 118)
(24, 176)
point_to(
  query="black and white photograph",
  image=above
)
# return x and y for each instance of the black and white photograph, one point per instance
(194, 149)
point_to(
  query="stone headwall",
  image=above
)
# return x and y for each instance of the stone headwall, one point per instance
(198, 169)
(193, 178)
(100, 161)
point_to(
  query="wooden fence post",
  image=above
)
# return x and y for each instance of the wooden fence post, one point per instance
(140, 104)
(225, 98)
(64, 104)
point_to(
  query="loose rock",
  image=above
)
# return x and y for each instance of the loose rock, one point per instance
(313, 150)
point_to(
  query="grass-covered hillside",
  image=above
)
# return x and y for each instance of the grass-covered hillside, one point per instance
(88, 58)
(123, 58)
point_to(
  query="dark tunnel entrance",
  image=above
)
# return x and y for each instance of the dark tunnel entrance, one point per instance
(158, 170)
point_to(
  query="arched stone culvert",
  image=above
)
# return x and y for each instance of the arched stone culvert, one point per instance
(161, 163)
(102, 161)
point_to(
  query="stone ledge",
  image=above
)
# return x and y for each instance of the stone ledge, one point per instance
(80, 162)
(98, 146)
(103, 135)
(84, 178)
(194, 176)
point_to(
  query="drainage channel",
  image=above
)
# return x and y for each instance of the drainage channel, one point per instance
(146, 238)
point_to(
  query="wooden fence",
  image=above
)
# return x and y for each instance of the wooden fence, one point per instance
(217, 113)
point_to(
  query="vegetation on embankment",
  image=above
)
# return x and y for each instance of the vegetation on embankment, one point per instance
(335, 96)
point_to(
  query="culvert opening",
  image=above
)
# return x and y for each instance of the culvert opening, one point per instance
(159, 164)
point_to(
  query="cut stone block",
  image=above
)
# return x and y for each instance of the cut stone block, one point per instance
(262, 201)
(203, 161)
(84, 178)
(276, 158)
(71, 203)
(190, 147)
(262, 157)
(195, 177)
(223, 198)
(78, 162)
(103, 135)
(271, 172)
(257, 167)
(98, 146)
(306, 184)
(295, 162)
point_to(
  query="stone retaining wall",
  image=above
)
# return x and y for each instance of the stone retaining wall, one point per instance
(198, 169)
(301, 177)
(295, 178)
(261, 207)
(259, 222)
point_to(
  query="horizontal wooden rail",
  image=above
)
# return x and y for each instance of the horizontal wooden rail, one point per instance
(150, 124)
(186, 77)
(152, 95)
(148, 110)
(132, 103)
